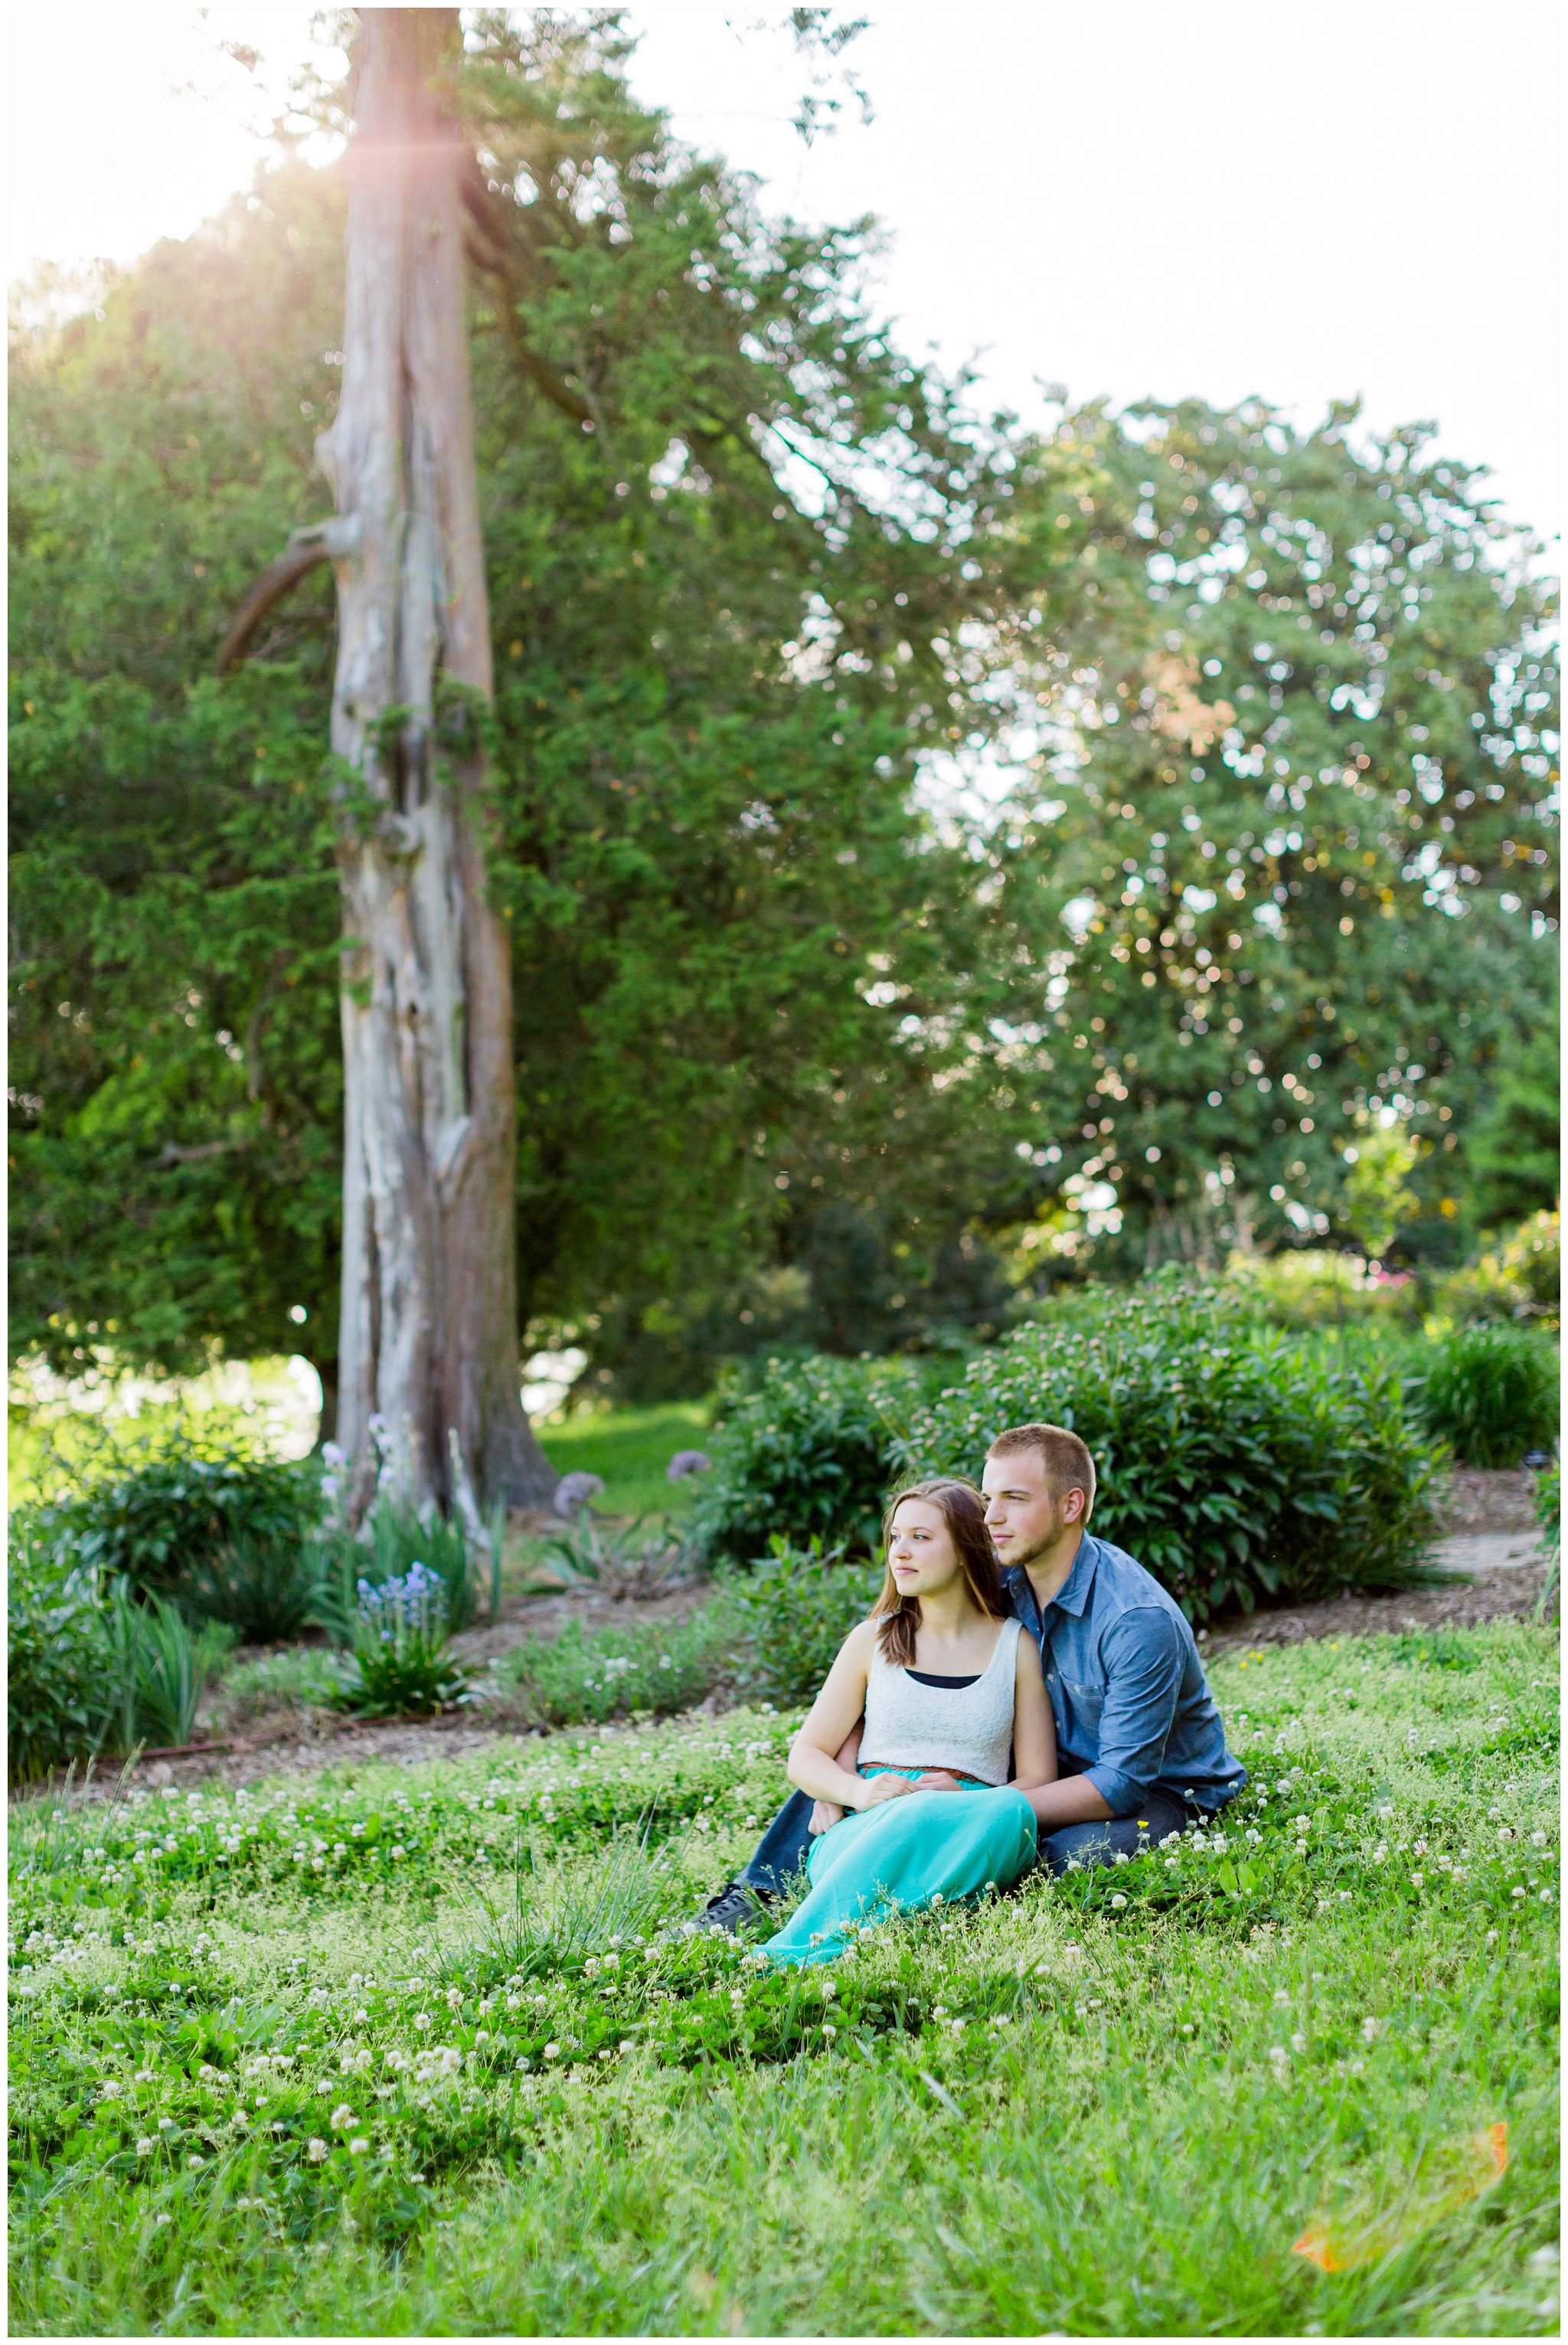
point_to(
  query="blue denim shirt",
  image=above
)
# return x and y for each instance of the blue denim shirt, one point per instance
(1132, 1706)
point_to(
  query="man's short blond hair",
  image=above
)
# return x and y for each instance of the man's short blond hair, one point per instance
(1068, 1463)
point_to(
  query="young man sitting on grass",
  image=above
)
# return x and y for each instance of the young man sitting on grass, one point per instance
(1140, 1745)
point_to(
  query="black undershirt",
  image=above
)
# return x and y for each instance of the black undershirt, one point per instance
(954, 1685)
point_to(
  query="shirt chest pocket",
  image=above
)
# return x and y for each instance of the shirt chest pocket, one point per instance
(1083, 1702)
(1075, 1703)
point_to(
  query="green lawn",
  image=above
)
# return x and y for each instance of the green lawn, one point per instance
(630, 1449)
(394, 2050)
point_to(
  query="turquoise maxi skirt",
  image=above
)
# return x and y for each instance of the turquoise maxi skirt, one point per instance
(902, 1855)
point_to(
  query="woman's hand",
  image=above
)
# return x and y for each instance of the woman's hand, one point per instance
(936, 1779)
(885, 1787)
(824, 1814)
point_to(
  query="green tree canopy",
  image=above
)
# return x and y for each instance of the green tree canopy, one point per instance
(727, 528)
(1290, 866)
(810, 1028)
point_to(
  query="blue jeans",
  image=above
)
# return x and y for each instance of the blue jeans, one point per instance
(778, 1867)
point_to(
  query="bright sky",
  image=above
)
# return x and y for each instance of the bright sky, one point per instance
(1300, 200)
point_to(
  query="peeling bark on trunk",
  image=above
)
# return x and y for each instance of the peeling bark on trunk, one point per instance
(427, 1348)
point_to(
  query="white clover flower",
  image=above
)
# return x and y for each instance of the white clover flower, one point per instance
(1118, 1901)
(315, 2150)
(145, 2144)
(342, 2115)
(358, 2145)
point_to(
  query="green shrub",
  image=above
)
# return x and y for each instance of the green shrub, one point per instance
(59, 1665)
(89, 1672)
(800, 1605)
(592, 1675)
(265, 1589)
(1490, 1392)
(1234, 1463)
(806, 1447)
(156, 1509)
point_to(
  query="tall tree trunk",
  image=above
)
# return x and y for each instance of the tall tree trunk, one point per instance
(428, 1337)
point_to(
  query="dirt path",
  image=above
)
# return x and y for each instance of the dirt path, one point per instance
(1503, 1580)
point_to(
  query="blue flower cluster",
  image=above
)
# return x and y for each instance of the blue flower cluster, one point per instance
(399, 1609)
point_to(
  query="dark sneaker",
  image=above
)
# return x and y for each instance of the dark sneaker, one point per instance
(733, 1909)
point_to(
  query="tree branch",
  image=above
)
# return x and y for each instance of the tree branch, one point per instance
(324, 541)
(490, 248)
(174, 1153)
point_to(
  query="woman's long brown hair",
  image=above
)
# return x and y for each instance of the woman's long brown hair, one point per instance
(963, 1509)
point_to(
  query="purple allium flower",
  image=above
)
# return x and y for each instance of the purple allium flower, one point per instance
(688, 1461)
(574, 1490)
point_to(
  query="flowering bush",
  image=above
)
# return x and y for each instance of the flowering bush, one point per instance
(1311, 1286)
(392, 1540)
(1233, 1462)
(400, 1667)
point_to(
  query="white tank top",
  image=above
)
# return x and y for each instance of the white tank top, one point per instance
(969, 1727)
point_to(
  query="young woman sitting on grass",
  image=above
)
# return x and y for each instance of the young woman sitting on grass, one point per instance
(946, 1687)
